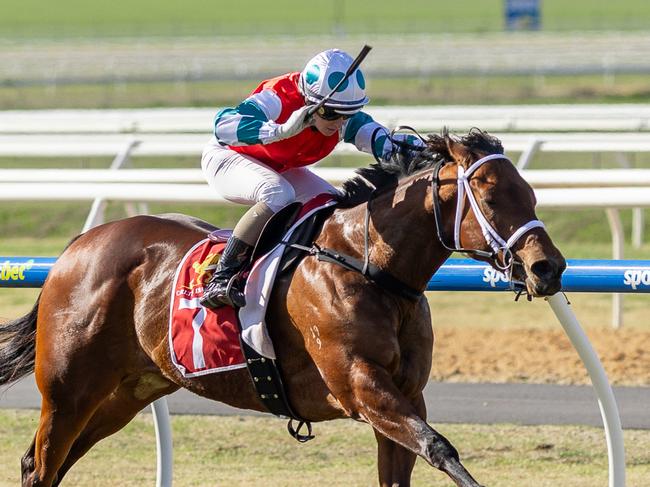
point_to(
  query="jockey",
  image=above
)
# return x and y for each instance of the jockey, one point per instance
(260, 148)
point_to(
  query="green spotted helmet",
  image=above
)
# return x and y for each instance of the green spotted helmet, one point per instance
(323, 72)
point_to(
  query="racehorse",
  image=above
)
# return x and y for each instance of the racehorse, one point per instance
(97, 336)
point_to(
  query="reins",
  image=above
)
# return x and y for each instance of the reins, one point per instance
(501, 255)
(500, 247)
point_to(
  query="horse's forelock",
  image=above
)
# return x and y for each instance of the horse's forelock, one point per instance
(479, 141)
(437, 144)
(476, 142)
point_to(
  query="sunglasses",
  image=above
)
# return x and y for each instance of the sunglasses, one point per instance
(330, 114)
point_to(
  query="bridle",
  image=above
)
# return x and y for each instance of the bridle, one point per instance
(500, 247)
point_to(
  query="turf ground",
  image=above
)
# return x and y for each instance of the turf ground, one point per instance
(247, 452)
(39, 18)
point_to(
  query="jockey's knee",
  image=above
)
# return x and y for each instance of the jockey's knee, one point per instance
(276, 195)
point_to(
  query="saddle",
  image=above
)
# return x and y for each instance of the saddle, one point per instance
(276, 229)
(264, 370)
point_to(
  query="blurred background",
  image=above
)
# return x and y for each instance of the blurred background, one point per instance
(135, 84)
(150, 54)
(198, 53)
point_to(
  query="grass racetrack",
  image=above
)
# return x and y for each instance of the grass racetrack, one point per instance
(247, 452)
(254, 17)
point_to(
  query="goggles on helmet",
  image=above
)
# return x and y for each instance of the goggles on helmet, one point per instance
(330, 114)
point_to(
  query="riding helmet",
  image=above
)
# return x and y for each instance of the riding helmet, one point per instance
(323, 72)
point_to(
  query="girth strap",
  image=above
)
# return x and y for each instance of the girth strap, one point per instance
(367, 269)
(270, 389)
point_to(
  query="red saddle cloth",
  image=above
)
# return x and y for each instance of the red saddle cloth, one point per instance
(201, 341)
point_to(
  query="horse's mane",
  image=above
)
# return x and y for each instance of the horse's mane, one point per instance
(387, 174)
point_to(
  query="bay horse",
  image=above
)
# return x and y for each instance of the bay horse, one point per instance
(97, 336)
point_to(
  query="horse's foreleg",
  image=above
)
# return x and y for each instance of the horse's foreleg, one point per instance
(376, 399)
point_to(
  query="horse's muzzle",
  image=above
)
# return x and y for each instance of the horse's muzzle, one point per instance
(544, 277)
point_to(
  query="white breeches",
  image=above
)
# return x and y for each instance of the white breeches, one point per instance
(241, 179)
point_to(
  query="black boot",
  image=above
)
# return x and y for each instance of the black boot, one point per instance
(220, 291)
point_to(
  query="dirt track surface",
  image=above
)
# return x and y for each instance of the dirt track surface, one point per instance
(537, 356)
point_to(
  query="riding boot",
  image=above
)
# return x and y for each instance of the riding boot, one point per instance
(221, 289)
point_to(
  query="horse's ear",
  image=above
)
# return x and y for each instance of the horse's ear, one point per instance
(458, 151)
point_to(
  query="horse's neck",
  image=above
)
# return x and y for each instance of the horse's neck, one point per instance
(402, 235)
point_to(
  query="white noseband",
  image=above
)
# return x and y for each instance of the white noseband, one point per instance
(493, 239)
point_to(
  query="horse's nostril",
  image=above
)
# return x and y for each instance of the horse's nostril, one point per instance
(544, 269)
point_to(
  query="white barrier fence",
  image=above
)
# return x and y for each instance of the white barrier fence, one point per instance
(537, 178)
(564, 198)
(184, 131)
(528, 145)
(506, 118)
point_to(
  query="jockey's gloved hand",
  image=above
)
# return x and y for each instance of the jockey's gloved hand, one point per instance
(404, 145)
(296, 123)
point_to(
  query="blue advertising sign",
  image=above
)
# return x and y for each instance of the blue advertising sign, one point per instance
(522, 14)
(24, 271)
(583, 276)
(586, 276)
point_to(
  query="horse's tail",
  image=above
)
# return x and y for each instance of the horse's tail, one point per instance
(17, 347)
